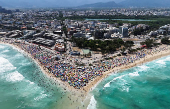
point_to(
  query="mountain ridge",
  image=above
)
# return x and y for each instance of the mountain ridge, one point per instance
(145, 3)
(100, 5)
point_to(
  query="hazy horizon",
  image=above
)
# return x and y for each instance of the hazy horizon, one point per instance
(77, 3)
(50, 3)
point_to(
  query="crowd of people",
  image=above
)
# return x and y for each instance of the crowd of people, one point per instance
(64, 67)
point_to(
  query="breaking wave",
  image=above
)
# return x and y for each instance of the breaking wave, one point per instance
(92, 104)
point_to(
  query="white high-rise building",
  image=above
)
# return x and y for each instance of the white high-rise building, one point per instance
(124, 31)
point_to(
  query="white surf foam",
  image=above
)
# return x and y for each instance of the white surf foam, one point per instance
(19, 50)
(107, 85)
(18, 55)
(123, 85)
(5, 51)
(5, 65)
(125, 88)
(15, 76)
(134, 74)
(119, 77)
(162, 62)
(30, 82)
(1, 46)
(167, 58)
(92, 104)
(42, 95)
(142, 68)
(34, 90)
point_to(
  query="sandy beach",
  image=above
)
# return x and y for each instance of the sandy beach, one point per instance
(74, 94)
(148, 58)
(82, 93)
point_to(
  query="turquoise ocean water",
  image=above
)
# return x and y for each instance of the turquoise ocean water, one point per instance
(23, 85)
(143, 87)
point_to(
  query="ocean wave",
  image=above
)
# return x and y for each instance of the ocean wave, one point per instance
(2, 47)
(19, 50)
(167, 58)
(24, 63)
(107, 85)
(125, 88)
(162, 62)
(143, 68)
(92, 104)
(18, 55)
(119, 77)
(134, 74)
(34, 90)
(30, 82)
(15, 76)
(42, 95)
(5, 65)
(5, 51)
(123, 85)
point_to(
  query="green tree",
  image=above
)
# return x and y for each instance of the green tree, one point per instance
(65, 30)
(165, 40)
(148, 42)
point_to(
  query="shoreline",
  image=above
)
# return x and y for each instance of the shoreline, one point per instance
(92, 84)
(83, 93)
(72, 92)
(148, 58)
(38, 63)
